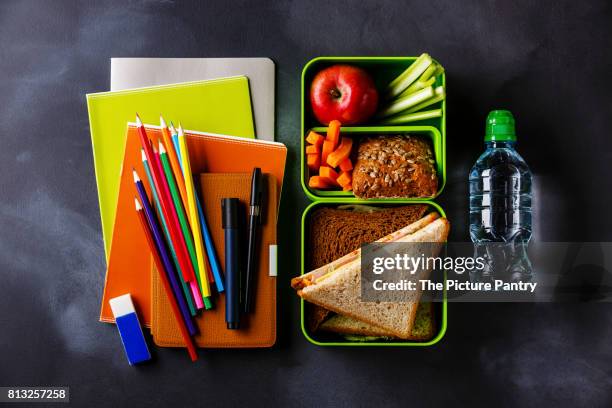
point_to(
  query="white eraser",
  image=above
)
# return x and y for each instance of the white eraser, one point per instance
(122, 305)
(272, 268)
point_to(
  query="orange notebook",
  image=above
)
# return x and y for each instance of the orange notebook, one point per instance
(129, 263)
(257, 329)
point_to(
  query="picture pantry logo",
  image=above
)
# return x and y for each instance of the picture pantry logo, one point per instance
(423, 271)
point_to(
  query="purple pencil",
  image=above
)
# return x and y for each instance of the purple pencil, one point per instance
(163, 252)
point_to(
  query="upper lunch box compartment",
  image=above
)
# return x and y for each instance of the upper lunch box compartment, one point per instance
(383, 70)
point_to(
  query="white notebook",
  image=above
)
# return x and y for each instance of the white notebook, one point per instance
(128, 73)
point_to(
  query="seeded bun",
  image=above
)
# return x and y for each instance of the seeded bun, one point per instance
(395, 166)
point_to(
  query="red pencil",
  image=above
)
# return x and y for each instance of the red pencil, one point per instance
(160, 269)
(169, 214)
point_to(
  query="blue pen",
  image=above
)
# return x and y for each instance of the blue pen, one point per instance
(229, 210)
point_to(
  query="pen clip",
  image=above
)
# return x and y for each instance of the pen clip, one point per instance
(257, 187)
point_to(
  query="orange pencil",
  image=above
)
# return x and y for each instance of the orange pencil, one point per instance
(160, 268)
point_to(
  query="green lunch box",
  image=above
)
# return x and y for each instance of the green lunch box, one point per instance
(326, 339)
(383, 71)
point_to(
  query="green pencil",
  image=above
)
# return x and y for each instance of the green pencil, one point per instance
(178, 204)
(192, 309)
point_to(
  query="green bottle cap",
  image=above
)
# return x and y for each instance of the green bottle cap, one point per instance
(500, 127)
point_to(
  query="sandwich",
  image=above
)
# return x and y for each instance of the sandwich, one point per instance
(337, 286)
(337, 231)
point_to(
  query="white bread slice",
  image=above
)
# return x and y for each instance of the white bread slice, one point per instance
(422, 329)
(340, 290)
(305, 279)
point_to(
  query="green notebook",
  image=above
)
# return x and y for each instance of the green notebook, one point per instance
(216, 106)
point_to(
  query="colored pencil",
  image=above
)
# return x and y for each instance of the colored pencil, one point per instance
(173, 224)
(173, 303)
(165, 168)
(213, 259)
(210, 250)
(170, 137)
(194, 285)
(179, 174)
(186, 288)
(195, 221)
(163, 252)
(173, 159)
(175, 143)
(179, 212)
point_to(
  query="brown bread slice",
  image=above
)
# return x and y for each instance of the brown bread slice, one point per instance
(334, 233)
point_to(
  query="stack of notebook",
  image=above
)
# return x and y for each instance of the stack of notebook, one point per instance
(230, 137)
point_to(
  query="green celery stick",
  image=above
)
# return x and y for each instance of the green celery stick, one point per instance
(417, 86)
(406, 102)
(411, 74)
(439, 95)
(180, 211)
(439, 70)
(412, 117)
(429, 72)
(192, 309)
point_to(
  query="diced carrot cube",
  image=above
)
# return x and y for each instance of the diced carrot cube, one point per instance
(342, 152)
(313, 149)
(346, 165)
(344, 179)
(313, 161)
(328, 148)
(333, 132)
(319, 182)
(315, 139)
(328, 173)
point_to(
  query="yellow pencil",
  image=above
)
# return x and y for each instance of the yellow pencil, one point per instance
(194, 220)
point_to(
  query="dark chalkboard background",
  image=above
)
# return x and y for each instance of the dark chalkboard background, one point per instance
(549, 62)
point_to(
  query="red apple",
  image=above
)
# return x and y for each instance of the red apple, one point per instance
(345, 93)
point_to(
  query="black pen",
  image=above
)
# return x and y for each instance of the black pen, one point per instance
(254, 221)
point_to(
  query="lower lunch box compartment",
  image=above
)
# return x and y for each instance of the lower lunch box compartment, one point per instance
(322, 338)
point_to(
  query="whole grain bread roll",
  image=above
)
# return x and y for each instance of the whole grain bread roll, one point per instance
(395, 166)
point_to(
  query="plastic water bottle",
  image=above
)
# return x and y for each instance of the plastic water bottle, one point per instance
(500, 203)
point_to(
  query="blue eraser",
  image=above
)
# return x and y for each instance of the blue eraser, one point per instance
(134, 343)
